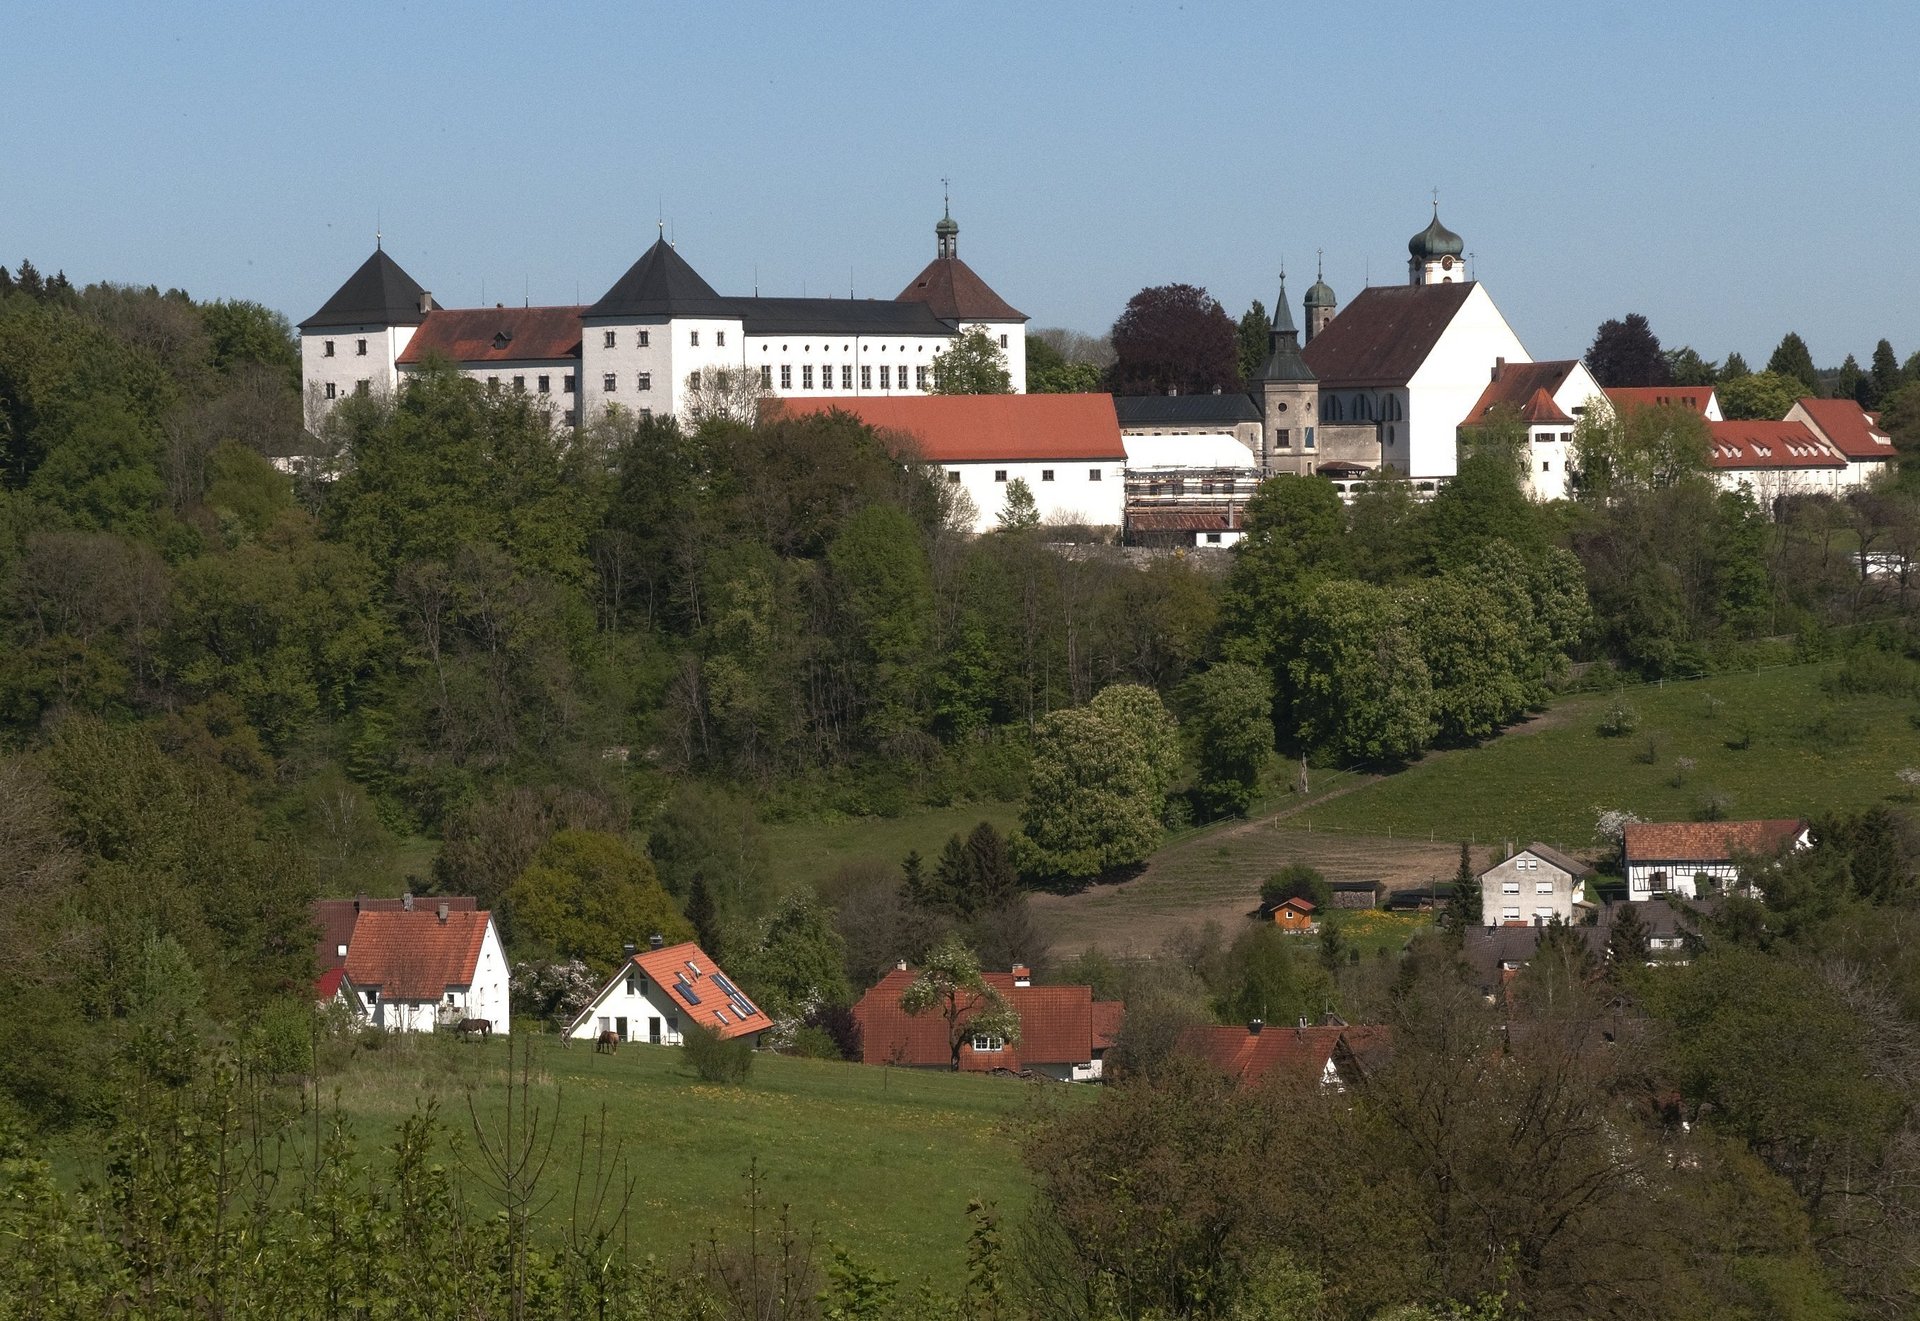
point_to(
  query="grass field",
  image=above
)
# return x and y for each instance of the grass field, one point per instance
(881, 1161)
(1807, 751)
(811, 851)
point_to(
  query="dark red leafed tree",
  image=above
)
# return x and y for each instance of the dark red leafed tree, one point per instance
(1174, 337)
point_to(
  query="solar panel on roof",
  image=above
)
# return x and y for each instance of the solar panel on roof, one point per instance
(687, 992)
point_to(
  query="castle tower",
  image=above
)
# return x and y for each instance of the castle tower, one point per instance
(1433, 255)
(1319, 303)
(1288, 394)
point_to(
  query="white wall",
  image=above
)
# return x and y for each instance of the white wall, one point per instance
(644, 1007)
(1526, 888)
(1073, 495)
(347, 367)
(1770, 484)
(486, 997)
(1679, 876)
(556, 370)
(1015, 347)
(1449, 383)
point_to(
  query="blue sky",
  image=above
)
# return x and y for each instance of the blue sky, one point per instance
(1733, 171)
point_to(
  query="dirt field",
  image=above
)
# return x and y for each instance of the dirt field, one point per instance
(1216, 876)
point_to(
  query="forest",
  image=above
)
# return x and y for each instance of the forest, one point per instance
(465, 648)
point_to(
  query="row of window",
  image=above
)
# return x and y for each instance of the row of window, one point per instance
(1513, 914)
(1000, 474)
(1513, 887)
(1334, 410)
(644, 339)
(542, 384)
(359, 387)
(643, 381)
(1283, 439)
(359, 348)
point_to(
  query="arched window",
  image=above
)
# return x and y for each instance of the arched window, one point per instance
(1331, 412)
(1392, 407)
(1362, 408)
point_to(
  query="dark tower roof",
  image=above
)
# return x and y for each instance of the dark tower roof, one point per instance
(1321, 294)
(1284, 362)
(949, 287)
(378, 294)
(661, 283)
(1436, 240)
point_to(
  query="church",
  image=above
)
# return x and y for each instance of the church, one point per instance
(646, 343)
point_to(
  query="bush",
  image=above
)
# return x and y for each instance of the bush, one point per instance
(1869, 670)
(1619, 719)
(716, 1059)
(1296, 880)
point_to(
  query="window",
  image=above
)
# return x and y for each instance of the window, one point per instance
(643, 339)
(360, 348)
(1509, 915)
(886, 377)
(633, 983)
(693, 338)
(520, 385)
(983, 1042)
(567, 383)
(1545, 466)
(330, 390)
(362, 386)
(903, 376)
(693, 380)
(646, 415)
(919, 377)
(612, 337)
(953, 475)
(866, 378)
(999, 474)
(766, 378)
(806, 377)
(546, 385)
(493, 382)
(645, 381)
(1046, 474)
(846, 376)
(1213, 538)
(1003, 341)
(1544, 913)
(720, 338)
(1659, 882)
(1093, 474)
(786, 377)
(605, 1024)
(1509, 887)
(326, 350)
(606, 383)
(1331, 409)
(1283, 439)
(1307, 441)
(1543, 887)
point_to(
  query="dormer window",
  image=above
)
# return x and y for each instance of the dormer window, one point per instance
(501, 338)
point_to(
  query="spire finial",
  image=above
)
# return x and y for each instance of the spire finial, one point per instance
(376, 229)
(1319, 263)
(946, 197)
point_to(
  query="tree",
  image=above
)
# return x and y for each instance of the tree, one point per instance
(1734, 368)
(1764, 396)
(1687, 367)
(587, 893)
(972, 364)
(1792, 358)
(1884, 375)
(972, 875)
(1852, 383)
(1049, 372)
(1629, 941)
(951, 985)
(1627, 353)
(797, 960)
(1474, 641)
(723, 394)
(884, 591)
(1297, 880)
(1362, 691)
(1174, 339)
(1019, 512)
(1466, 910)
(1642, 448)
(1099, 780)
(1255, 329)
(1227, 714)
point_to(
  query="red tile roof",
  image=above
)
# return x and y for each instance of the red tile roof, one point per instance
(1058, 1025)
(1296, 1052)
(1849, 428)
(328, 983)
(1303, 905)
(1769, 445)
(1708, 841)
(1540, 410)
(982, 428)
(1516, 385)
(1694, 397)
(953, 292)
(1384, 334)
(416, 956)
(702, 989)
(335, 918)
(521, 334)
(1185, 520)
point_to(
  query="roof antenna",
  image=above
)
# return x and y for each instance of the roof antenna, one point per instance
(849, 282)
(1470, 275)
(376, 229)
(756, 279)
(946, 197)
(526, 298)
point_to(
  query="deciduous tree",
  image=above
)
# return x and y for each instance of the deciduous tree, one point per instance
(1227, 715)
(1098, 783)
(951, 985)
(972, 364)
(1174, 339)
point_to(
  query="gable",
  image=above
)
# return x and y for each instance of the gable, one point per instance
(1384, 336)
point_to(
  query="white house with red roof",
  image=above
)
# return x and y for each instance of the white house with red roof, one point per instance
(1699, 398)
(1773, 460)
(414, 970)
(661, 993)
(1853, 432)
(1064, 1032)
(1665, 857)
(1549, 399)
(647, 342)
(1065, 447)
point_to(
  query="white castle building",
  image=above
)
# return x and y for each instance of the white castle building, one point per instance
(646, 343)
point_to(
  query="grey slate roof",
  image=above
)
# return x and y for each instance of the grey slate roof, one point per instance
(1176, 410)
(661, 283)
(1568, 865)
(1284, 362)
(378, 294)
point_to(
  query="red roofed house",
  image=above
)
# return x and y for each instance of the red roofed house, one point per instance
(662, 992)
(1851, 430)
(1774, 459)
(1064, 1032)
(1549, 398)
(527, 350)
(413, 970)
(1293, 916)
(1332, 1055)
(1065, 447)
(1700, 398)
(1665, 857)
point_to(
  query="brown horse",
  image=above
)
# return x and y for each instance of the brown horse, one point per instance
(606, 1043)
(472, 1027)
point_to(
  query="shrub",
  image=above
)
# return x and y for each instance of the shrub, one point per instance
(716, 1059)
(1619, 719)
(1714, 805)
(1682, 771)
(1296, 880)
(1870, 670)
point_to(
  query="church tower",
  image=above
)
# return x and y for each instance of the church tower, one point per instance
(1288, 394)
(1433, 255)
(1319, 303)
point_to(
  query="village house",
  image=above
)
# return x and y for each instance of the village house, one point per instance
(1548, 398)
(1495, 954)
(1535, 885)
(421, 968)
(1064, 1032)
(1329, 1053)
(1293, 916)
(1852, 431)
(1694, 858)
(659, 994)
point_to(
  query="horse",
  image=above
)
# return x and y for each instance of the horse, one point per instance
(606, 1043)
(480, 1027)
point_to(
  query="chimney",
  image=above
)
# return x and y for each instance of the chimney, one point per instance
(426, 302)
(630, 949)
(900, 965)
(1253, 1027)
(1022, 975)
(406, 902)
(1499, 365)
(656, 941)
(441, 913)
(1305, 1022)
